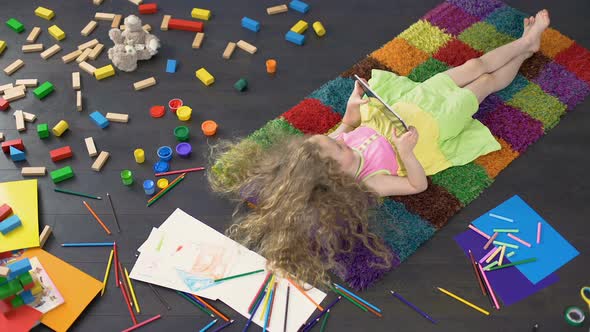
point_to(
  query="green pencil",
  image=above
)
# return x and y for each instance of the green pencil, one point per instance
(157, 197)
(524, 261)
(75, 193)
(323, 327)
(196, 304)
(238, 275)
(349, 299)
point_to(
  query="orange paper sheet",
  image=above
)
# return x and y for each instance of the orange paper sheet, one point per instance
(77, 288)
(21, 196)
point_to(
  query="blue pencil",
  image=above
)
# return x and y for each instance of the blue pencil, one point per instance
(208, 326)
(254, 311)
(268, 308)
(88, 244)
(425, 315)
(311, 323)
(223, 326)
(358, 297)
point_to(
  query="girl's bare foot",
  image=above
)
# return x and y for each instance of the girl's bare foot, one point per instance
(532, 33)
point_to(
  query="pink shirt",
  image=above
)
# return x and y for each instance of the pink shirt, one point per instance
(377, 154)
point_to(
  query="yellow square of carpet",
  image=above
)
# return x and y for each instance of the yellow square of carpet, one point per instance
(425, 36)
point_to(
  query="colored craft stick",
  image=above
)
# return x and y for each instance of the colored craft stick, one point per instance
(145, 322)
(506, 230)
(106, 229)
(223, 326)
(524, 261)
(135, 302)
(490, 240)
(253, 313)
(127, 302)
(324, 321)
(188, 170)
(165, 190)
(489, 287)
(500, 217)
(208, 326)
(160, 298)
(479, 281)
(196, 304)
(255, 299)
(75, 193)
(517, 239)
(478, 231)
(501, 259)
(269, 307)
(357, 297)
(238, 275)
(265, 302)
(88, 244)
(510, 254)
(305, 294)
(116, 257)
(309, 325)
(286, 308)
(210, 307)
(488, 267)
(489, 259)
(339, 292)
(114, 214)
(539, 232)
(462, 300)
(509, 245)
(106, 273)
(488, 254)
(409, 304)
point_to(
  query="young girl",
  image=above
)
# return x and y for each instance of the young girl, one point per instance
(312, 194)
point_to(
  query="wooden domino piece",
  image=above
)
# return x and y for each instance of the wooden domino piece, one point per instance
(76, 80)
(277, 9)
(88, 44)
(118, 117)
(97, 2)
(85, 66)
(247, 47)
(116, 21)
(89, 28)
(147, 27)
(32, 48)
(79, 101)
(198, 39)
(100, 161)
(165, 20)
(229, 50)
(33, 171)
(29, 117)
(85, 54)
(96, 51)
(89, 141)
(71, 56)
(1, 137)
(104, 16)
(44, 234)
(14, 93)
(33, 35)
(13, 67)
(4, 271)
(20, 120)
(5, 87)
(140, 85)
(136, 2)
(48, 53)
(29, 83)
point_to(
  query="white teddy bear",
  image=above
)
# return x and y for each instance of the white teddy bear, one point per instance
(132, 44)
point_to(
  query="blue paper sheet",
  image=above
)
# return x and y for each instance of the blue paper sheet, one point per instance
(553, 251)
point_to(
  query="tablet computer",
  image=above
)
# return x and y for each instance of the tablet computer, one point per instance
(369, 92)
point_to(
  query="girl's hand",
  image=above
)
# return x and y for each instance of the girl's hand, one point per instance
(356, 97)
(405, 142)
(352, 117)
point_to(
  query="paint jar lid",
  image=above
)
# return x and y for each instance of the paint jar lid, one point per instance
(162, 183)
(165, 152)
(184, 113)
(209, 127)
(126, 174)
(161, 166)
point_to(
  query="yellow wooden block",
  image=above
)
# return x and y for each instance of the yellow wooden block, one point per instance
(300, 27)
(56, 32)
(201, 14)
(104, 72)
(2, 46)
(45, 13)
(37, 289)
(205, 77)
(319, 28)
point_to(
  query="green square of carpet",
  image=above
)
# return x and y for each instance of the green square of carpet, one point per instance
(484, 37)
(539, 105)
(519, 83)
(425, 36)
(464, 182)
(274, 130)
(427, 69)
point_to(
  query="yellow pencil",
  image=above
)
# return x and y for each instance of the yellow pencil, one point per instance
(106, 273)
(270, 285)
(132, 291)
(464, 301)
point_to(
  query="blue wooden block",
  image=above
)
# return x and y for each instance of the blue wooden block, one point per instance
(299, 6)
(19, 267)
(17, 155)
(250, 24)
(295, 38)
(99, 119)
(171, 66)
(27, 297)
(8, 225)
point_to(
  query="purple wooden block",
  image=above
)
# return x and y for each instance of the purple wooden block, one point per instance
(556, 80)
(515, 127)
(450, 18)
(478, 8)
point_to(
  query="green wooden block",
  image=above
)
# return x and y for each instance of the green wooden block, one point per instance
(43, 90)
(5, 291)
(62, 174)
(2, 280)
(25, 279)
(241, 84)
(15, 25)
(17, 302)
(43, 130)
(15, 286)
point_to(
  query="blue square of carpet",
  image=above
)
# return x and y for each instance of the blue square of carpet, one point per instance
(508, 20)
(335, 93)
(519, 83)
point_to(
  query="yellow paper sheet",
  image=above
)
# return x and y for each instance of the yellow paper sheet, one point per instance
(21, 196)
(77, 288)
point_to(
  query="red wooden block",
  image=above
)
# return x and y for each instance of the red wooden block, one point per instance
(3, 104)
(176, 24)
(61, 153)
(29, 286)
(5, 211)
(148, 8)
(17, 143)
(5, 306)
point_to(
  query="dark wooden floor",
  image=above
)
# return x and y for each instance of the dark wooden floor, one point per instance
(552, 176)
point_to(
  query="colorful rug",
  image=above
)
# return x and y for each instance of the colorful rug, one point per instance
(549, 84)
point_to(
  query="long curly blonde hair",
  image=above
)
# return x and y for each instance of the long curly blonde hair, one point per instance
(306, 209)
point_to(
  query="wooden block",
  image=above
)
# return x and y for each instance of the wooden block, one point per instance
(85, 66)
(71, 56)
(104, 16)
(204, 76)
(79, 100)
(198, 40)
(20, 120)
(89, 28)
(33, 35)
(45, 13)
(4, 271)
(147, 27)
(56, 32)
(88, 44)
(14, 94)
(31, 82)
(76, 80)
(6, 87)
(277, 9)
(247, 47)
(1, 137)
(165, 20)
(104, 72)
(100, 161)
(140, 85)
(97, 2)
(118, 117)
(229, 50)
(29, 117)
(116, 21)
(13, 67)
(85, 54)
(48, 53)
(136, 2)
(89, 141)
(32, 48)
(46, 231)
(33, 171)
(122, 27)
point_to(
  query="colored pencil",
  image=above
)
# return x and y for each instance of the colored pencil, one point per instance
(491, 239)
(208, 326)
(114, 214)
(517, 239)
(524, 261)
(498, 249)
(145, 322)
(488, 295)
(409, 304)
(488, 254)
(165, 190)
(357, 297)
(506, 230)
(265, 301)
(124, 283)
(500, 217)
(260, 289)
(223, 326)
(127, 303)
(324, 321)
(88, 244)
(478, 231)
(269, 307)
(272, 300)
(539, 232)
(286, 308)
(132, 291)
(196, 304)
(311, 323)
(253, 313)
(305, 294)
(489, 287)
(462, 300)
(188, 170)
(479, 281)
(238, 275)
(502, 253)
(116, 257)
(75, 193)
(509, 245)
(106, 273)
(106, 229)
(160, 298)
(210, 307)
(339, 292)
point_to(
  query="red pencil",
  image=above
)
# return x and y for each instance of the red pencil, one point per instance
(259, 290)
(128, 305)
(124, 282)
(181, 171)
(477, 276)
(116, 256)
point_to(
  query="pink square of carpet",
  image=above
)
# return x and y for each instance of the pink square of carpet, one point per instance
(312, 117)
